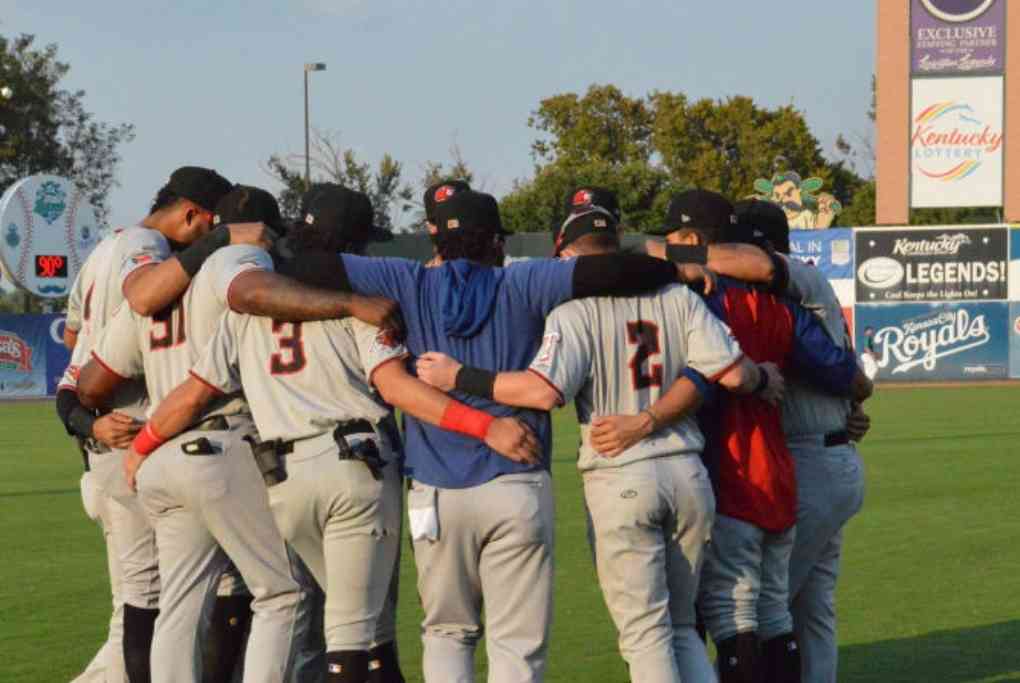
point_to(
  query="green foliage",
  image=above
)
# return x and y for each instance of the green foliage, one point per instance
(46, 129)
(647, 148)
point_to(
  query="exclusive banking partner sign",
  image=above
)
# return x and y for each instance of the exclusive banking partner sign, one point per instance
(953, 37)
(956, 142)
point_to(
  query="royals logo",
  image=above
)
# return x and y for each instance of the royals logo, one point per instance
(50, 201)
(15, 354)
(923, 341)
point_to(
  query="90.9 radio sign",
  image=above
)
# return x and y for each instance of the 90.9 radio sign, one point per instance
(939, 264)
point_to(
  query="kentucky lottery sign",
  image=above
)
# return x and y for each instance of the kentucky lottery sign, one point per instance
(956, 142)
(47, 230)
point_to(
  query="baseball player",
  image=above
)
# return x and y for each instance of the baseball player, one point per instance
(437, 193)
(472, 544)
(651, 504)
(183, 490)
(820, 429)
(182, 210)
(744, 593)
(310, 388)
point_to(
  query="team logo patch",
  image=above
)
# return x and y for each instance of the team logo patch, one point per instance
(443, 193)
(141, 259)
(452, 224)
(600, 223)
(581, 197)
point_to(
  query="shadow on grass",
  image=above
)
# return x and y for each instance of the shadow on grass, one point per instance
(983, 653)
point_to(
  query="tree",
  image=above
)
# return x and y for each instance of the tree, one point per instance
(46, 129)
(330, 162)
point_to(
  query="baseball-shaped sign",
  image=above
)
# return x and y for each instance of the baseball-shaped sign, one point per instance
(47, 230)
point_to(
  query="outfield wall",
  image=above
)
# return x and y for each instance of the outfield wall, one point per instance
(923, 304)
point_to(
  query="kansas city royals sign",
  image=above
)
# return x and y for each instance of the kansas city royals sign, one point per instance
(47, 230)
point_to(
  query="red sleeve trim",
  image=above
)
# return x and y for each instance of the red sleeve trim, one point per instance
(371, 375)
(550, 383)
(207, 383)
(719, 375)
(106, 367)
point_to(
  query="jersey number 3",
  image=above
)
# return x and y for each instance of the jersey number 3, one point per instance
(646, 335)
(291, 356)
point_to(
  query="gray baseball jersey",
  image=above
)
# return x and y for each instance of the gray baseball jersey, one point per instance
(807, 410)
(617, 356)
(300, 378)
(165, 346)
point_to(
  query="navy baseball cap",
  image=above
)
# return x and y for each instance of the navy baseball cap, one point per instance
(594, 219)
(246, 204)
(586, 196)
(203, 186)
(702, 210)
(437, 193)
(346, 213)
(469, 210)
(763, 224)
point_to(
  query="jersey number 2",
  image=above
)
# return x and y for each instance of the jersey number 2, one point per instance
(646, 335)
(291, 356)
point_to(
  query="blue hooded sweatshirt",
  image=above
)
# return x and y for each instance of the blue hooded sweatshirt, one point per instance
(486, 317)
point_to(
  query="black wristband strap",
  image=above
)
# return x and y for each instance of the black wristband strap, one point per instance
(763, 381)
(195, 255)
(475, 381)
(687, 253)
(81, 421)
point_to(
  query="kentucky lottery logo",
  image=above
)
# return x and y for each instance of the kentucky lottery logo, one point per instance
(950, 141)
(923, 341)
(50, 201)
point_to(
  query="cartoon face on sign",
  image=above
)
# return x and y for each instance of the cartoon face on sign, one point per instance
(804, 209)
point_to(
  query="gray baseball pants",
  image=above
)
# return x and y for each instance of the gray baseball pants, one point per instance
(204, 509)
(494, 548)
(345, 526)
(830, 490)
(651, 521)
(745, 581)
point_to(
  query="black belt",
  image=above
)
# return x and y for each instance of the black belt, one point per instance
(836, 439)
(343, 429)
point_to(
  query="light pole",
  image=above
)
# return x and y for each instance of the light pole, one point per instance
(311, 66)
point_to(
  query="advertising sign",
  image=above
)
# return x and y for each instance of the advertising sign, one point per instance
(932, 264)
(957, 36)
(1014, 340)
(22, 356)
(47, 230)
(1014, 265)
(956, 142)
(924, 342)
(832, 250)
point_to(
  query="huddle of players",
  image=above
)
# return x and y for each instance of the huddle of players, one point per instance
(307, 457)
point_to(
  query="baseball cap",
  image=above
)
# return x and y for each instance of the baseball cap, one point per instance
(203, 186)
(588, 221)
(247, 204)
(762, 223)
(703, 210)
(437, 193)
(346, 213)
(586, 196)
(469, 210)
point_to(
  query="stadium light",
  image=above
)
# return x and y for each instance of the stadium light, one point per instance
(311, 66)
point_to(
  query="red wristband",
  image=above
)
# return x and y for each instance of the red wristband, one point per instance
(464, 420)
(147, 440)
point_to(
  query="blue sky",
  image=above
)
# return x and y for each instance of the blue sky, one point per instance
(220, 84)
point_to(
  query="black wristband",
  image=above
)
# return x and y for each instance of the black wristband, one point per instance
(687, 253)
(475, 381)
(763, 381)
(195, 255)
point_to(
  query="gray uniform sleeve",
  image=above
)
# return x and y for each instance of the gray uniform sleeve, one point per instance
(374, 346)
(231, 261)
(711, 348)
(117, 348)
(218, 366)
(141, 247)
(564, 360)
(80, 356)
(74, 303)
(809, 286)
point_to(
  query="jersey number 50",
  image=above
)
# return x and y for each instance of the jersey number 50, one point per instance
(646, 335)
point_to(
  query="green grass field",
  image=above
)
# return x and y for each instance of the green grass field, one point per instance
(930, 589)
